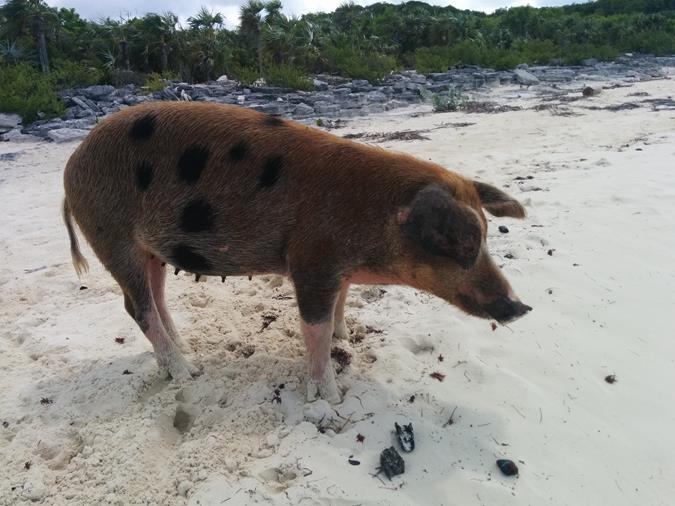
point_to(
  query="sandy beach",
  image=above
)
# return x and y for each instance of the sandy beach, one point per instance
(88, 419)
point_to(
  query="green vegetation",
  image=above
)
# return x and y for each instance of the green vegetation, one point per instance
(287, 76)
(27, 91)
(154, 83)
(354, 41)
(451, 100)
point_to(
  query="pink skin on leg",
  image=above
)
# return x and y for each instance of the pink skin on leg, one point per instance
(322, 377)
(341, 331)
(157, 275)
(167, 353)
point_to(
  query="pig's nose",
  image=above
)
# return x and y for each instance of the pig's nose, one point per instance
(505, 309)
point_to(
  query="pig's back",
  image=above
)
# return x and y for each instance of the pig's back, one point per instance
(232, 182)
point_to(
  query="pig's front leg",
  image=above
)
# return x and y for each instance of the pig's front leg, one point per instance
(321, 382)
(317, 292)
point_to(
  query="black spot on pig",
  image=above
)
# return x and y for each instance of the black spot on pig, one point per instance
(188, 259)
(197, 216)
(142, 128)
(144, 175)
(238, 151)
(192, 163)
(270, 173)
(274, 121)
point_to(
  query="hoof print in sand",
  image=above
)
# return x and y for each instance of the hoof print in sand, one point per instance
(182, 420)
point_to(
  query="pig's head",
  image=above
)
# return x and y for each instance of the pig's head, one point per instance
(445, 250)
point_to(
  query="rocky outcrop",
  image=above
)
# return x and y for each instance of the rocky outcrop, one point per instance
(67, 134)
(525, 78)
(335, 96)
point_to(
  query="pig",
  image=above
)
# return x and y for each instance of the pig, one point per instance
(225, 191)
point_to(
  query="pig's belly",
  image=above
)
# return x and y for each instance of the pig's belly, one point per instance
(221, 252)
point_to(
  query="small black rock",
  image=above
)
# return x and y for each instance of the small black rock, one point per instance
(82, 287)
(405, 436)
(508, 467)
(503, 229)
(391, 462)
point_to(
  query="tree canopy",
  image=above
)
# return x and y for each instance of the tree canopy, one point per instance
(356, 41)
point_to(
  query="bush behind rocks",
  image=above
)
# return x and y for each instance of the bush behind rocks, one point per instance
(28, 92)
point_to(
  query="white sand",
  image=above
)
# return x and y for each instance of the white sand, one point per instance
(534, 392)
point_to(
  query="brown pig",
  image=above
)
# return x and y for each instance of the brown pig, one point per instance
(221, 190)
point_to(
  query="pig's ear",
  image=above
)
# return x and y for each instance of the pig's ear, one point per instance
(497, 202)
(443, 226)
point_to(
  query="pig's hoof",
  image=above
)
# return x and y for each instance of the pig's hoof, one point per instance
(325, 389)
(341, 331)
(181, 369)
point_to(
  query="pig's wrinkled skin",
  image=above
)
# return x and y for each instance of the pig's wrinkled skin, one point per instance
(221, 190)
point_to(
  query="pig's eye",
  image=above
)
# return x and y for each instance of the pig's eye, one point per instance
(444, 226)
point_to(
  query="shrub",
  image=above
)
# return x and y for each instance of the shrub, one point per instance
(574, 53)
(118, 77)
(26, 91)
(432, 59)
(154, 82)
(449, 101)
(359, 64)
(245, 75)
(536, 51)
(68, 74)
(288, 76)
(657, 42)
(469, 52)
(502, 60)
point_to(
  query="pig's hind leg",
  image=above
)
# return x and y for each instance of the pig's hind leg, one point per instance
(341, 331)
(157, 280)
(133, 272)
(317, 293)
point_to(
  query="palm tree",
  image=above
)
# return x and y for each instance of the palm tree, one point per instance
(159, 33)
(255, 16)
(206, 20)
(202, 43)
(443, 29)
(120, 32)
(251, 25)
(34, 17)
(168, 31)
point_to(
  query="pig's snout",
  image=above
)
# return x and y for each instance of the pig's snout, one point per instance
(486, 294)
(505, 309)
